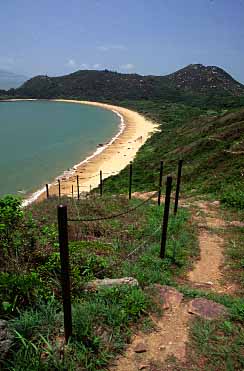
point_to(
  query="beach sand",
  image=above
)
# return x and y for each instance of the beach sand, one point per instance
(113, 158)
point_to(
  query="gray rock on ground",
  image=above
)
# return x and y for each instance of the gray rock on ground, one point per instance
(171, 297)
(6, 339)
(111, 282)
(207, 309)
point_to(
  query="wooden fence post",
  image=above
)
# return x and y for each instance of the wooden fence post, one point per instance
(47, 191)
(160, 182)
(130, 180)
(165, 217)
(177, 192)
(65, 278)
(78, 187)
(101, 183)
(59, 188)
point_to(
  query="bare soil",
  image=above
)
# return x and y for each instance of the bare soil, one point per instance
(171, 334)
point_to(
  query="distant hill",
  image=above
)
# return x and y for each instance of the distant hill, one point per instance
(192, 84)
(98, 85)
(204, 79)
(10, 80)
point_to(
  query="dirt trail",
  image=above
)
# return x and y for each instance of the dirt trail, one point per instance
(171, 334)
(207, 270)
(169, 338)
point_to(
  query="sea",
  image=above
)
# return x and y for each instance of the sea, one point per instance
(41, 140)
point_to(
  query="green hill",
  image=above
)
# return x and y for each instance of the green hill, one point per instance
(211, 143)
(194, 84)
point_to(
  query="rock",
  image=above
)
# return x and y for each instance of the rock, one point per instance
(207, 309)
(203, 284)
(140, 348)
(171, 297)
(110, 282)
(236, 223)
(216, 203)
(202, 225)
(162, 347)
(6, 339)
(143, 367)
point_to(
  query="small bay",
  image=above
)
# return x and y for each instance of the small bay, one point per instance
(40, 139)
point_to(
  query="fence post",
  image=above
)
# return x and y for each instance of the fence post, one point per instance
(177, 192)
(59, 188)
(101, 183)
(160, 182)
(65, 279)
(47, 191)
(165, 217)
(130, 180)
(78, 187)
(72, 191)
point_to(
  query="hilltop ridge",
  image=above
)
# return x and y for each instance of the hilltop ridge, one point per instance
(200, 78)
(186, 83)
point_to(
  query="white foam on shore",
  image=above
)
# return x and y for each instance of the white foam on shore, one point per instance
(68, 173)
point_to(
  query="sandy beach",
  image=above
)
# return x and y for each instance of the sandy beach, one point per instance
(111, 159)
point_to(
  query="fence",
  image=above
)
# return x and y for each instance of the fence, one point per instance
(78, 186)
(63, 232)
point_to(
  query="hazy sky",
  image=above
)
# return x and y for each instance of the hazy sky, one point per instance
(145, 36)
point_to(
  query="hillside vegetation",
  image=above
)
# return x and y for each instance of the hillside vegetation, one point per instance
(194, 85)
(30, 296)
(211, 143)
(201, 120)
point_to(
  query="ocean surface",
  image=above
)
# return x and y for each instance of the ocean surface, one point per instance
(40, 140)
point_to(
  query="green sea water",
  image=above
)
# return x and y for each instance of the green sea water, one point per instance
(40, 139)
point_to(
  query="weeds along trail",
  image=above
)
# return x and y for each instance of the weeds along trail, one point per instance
(171, 331)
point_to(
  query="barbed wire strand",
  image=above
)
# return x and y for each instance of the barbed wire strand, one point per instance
(132, 252)
(114, 216)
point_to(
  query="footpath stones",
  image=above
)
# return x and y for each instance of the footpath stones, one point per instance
(110, 282)
(207, 309)
(170, 296)
(140, 348)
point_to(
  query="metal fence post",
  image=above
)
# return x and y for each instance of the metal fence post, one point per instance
(177, 192)
(101, 183)
(160, 182)
(165, 217)
(78, 187)
(130, 180)
(59, 188)
(65, 279)
(47, 191)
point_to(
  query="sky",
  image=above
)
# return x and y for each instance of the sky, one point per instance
(157, 37)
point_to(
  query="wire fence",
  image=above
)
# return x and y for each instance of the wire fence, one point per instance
(114, 216)
(138, 248)
(63, 221)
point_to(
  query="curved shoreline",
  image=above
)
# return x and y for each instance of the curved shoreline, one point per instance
(111, 158)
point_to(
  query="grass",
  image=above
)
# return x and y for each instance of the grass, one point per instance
(215, 345)
(209, 142)
(102, 321)
(235, 257)
(101, 327)
(30, 296)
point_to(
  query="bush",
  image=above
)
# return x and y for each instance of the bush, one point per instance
(234, 196)
(19, 290)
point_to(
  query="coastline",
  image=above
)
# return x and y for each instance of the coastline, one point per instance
(111, 158)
